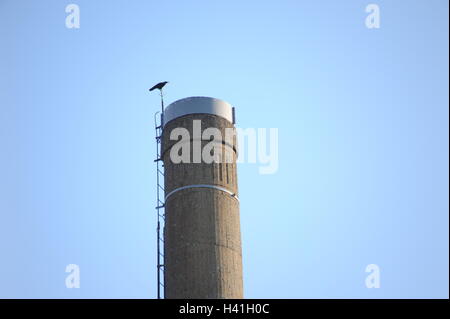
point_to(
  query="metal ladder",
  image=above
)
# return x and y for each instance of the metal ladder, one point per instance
(159, 204)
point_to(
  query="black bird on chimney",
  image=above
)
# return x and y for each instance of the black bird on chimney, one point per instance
(158, 86)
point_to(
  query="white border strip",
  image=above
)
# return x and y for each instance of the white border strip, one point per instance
(202, 186)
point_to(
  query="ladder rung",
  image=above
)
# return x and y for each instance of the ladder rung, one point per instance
(158, 159)
(159, 207)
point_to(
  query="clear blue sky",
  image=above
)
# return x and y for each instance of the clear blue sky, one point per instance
(363, 154)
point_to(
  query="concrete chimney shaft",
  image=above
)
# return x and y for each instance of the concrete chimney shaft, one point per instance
(202, 240)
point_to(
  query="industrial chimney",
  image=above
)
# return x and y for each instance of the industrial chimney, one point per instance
(202, 240)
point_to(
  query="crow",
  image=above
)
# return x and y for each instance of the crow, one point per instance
(158, 86)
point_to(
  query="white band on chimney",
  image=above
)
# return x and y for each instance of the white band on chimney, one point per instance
(223, 189)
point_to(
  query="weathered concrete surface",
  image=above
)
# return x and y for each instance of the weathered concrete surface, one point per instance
(202, 241)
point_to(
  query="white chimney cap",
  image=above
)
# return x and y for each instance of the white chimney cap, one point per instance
(196, 105)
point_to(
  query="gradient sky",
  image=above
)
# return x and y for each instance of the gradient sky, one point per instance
(363, 128)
